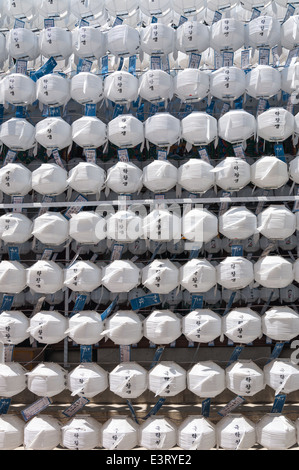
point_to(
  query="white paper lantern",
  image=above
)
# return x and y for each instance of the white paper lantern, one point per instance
(289, 33)
(160, 176)
(128, 380)
(202, 326)
(83, 276)
(191, 85)
(282, 376)
(42, 433)
(55, 42)
(280, 323)
(88, 43)
(119, 433)
(157, 39)
(51, 228)
(85, 327)
(162, 327)
(269, 172)
(238, 222)
(126, 9)
(124, 327)
(294, 169)
(157, 433)
(87, 380)
(18, 89)
(125, 131)
(195, 176)
(121, 87)
(53, 133)
(263, 81)
(274, 272)
(15, 179)
(276, 222)
(120, 276)
(15, 228)
(19, 9)
(227, 34)
(160, 276)
(87, 227)
(45, 277)
(227, 83)
(124, 226)
(162, 130)
(199, 225)
(3, 53)
(167, 379)
(12, 432)
(49, 179)
(156, 86)
(87, 178)
(235, 272)
(12, 379)
(276, 432)
(199, 128)
(206, 379)
(236, 126)
(290, 78)
(123, 40)
(242, 325)
(289, 294)
(232, 174)
(192, 37)
(263, 31)
(157, 8)
(87, 88)
(53, 90)
(48, 327)
(13, 327)
(81, 433)
(17, 134)
(235, 432)
(47, 379)
(162, 225)
(196, 433)
(275, 125)
(244, 378)
(89, 132)
(198, 275)
(124, 178)
(12, 277)
(92, 10)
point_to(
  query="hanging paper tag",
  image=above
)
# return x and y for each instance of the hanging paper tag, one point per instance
(75, 407)
(262, 106)
(161, 155)
(276, 351)
(132, 64)
(230, 303)
(83, 23)
(47, 254)
(19, 23)
(108, 310)
(79, 304)
(35, 408)
(10, 157)
(276, 57)
(239, 151)
(255, 13)
(14, 253)
(232, 405)
(217, 60)
(21, 66)
(183, 20)
(245, 62)
(7, 302)
(85, 353)
(145, 301)
(49, 23)
(118, 109)
(217, 17)
(227, 59)
(196, 302)
(157, 356)
(123, 155)
(194, 61)
(117, 252)
(117, 21)
(105, 63)
(156, 63)
(279, 152)
(237, 250)
(75, 209)
(133, 413)
(154, 411)
(154, 19)
(8, 348)
(57, 158)
(90, 155)
(91, 110)
(17, 200)
(278, 404)
(124, 353)
(264, 56)
(210, 107)
(4, 405)
(205, 407)
(224, 204)
(202, 152)
(290, 12)
(47, 68)
(235, 355)
(292, 57)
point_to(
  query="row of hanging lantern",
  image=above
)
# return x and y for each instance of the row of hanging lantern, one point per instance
(126, 327)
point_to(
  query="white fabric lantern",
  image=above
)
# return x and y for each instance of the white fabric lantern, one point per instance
(123, 40)
(87, 380)
(128, 380)
(51, 228)
(17, 134)
(191, 85)
(125, 131)
(83, 276)
(48, 327)
(81, 433)
(12, 432)
(157, 39)
(88, 43)
(276, 222)
(120, 276)
(206, 379)
(235, 272)
(53, 133)
(280, 323)
(269, 172)
(162, 327)
(242, 325)
(13, 327)
(276, 432)
(162, 225)
(199, 225)
(289, 33)
(124, 178)
(89, 132)
(49, 179)
(290, 78)
(227, 83)
(192, 37)
(160, 176)
(47, 380)
(19, 9)
(235, 432)
(263, 82)
(119, 433)
(56, 42)
(162, 130)
(12, 277)
(202, 326)
(199, 128)
(42, 433)
(124, 226)
(232, 174)
(273, 272)
(85, 327)
(15, 228)
(198, 275)
(294, 169)
(53, 90)
(227, 34)
(238, 222)
(87, 178)
(275, 125)
(167, 379)
(124, 327)
(45, 277)
(12, 379)
(15, 179)
(237, 126)
(87, 227)
(195, 176)
(244, 378)
(87, 88)
(160, 276)
(18, 89)
(121, 87)
(263, 31)
(156, 86)
(282, 376)
(157, 433)
(196, 433)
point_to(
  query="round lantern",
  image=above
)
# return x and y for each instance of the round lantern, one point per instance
(196, 433)
(162, 225)
(244, 378)
(49, 179)
(18, 89)
(120, 276)
(55, 42)
(81, 433)
(227, 83)
(123, 40)
(89, 132)
(162, 130)
(157, 39)
(195, 176)
(269, 172)
(156, 86)
(167, 379)
(157, 433)
(192, 37)
(276, 222)
(48, 327)
(282, 376)
(121, 87)
(202, 326)
(128, 380)
(124, 226)
(12, 430)
(53, 133)
(232, 174)
(124, 178)
(238, 222)
(263, 81)
(160, 176)
(12, 277)
(199, 225)
(199, 128)
(280, 323)
(51, 228)
(53, 90)
(294, 169)
(162, 327)
(17, 134)
(125, 131)
(45, 277)
(276, 432)
(157, 8)
(19, 9)
(12, 379)
(206, 379)
(160, 276)
(236, 126)
(274, 272)
(290, 78)
(198, 275)
(87, 227)
(47, 380)
(235, 272)
(120, 433)
(88, 43)
(227, 34)
(15, 228)
(124, 327)
(42, 433)
(93, 9)
(188, 8)
(242, 325)
(13, 327)
(289, 33)
(235, 432)
(191, 85)
(263, 31)
(83, 276)
(87, 88)
(15, 179)
(289, 294)
(124, 10)
(85, 327)
(275, 125)
(87, 380)
(87, 178)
